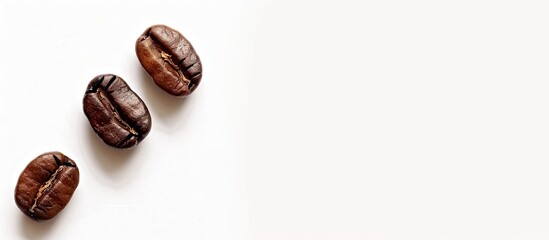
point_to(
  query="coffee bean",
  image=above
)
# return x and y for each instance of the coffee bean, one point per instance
(115, 112)
(46, 185)
(169, 59)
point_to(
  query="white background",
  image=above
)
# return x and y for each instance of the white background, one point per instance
(314, 120)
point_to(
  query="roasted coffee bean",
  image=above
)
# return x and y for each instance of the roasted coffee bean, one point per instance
(169, 59)
(115, 112)
(46, 185)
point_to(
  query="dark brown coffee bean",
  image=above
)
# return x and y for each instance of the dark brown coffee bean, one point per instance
(115, 112)
(169, 59)
(46, 185)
